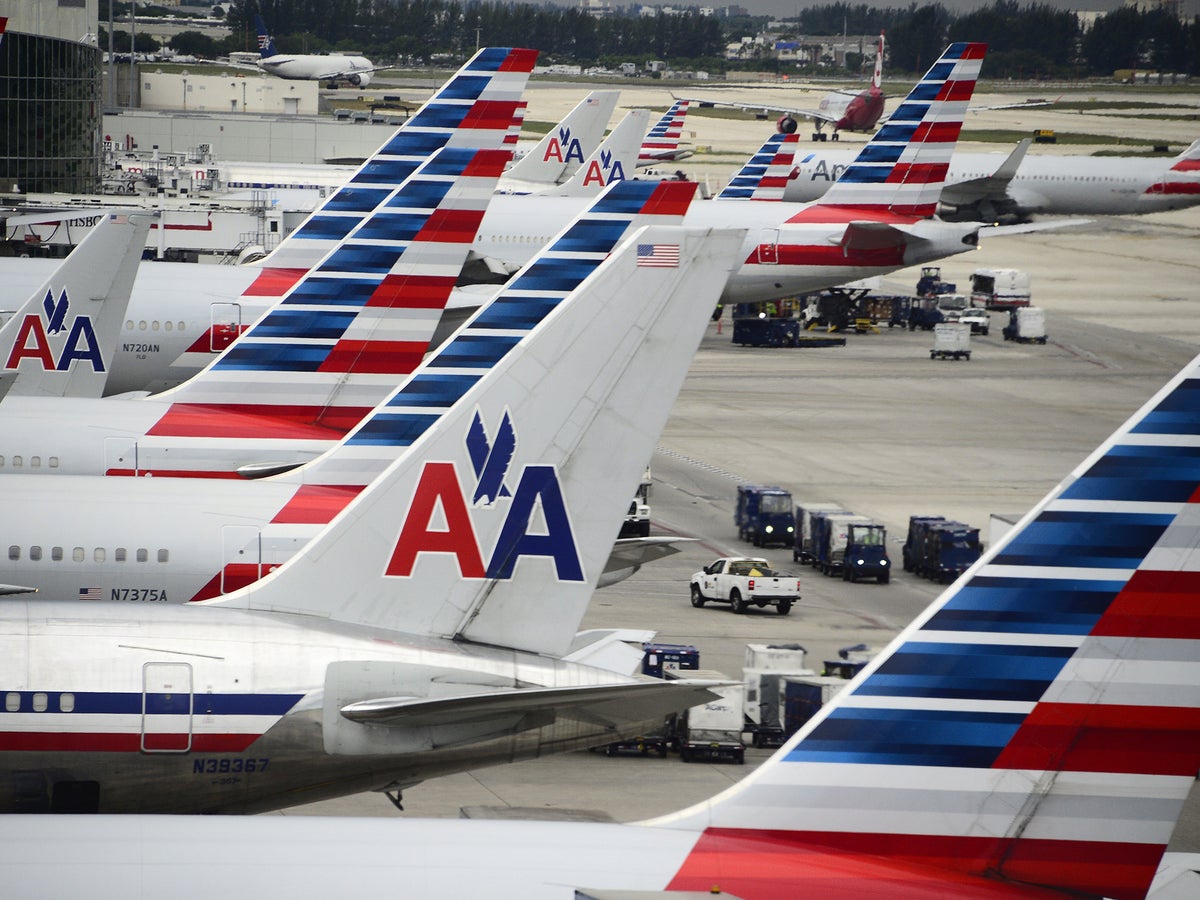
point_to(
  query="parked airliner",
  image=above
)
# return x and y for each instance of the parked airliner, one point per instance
(328, 67)
(1034, 733)
(993, 187)
(187, 539)
(423, 630)
(868, 224)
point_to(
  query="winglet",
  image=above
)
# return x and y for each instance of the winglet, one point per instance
(766, 174)
(1039, 724)
(1007, 169)
(877, 75)
(903, 167)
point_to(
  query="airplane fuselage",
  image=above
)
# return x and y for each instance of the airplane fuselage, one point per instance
(202, 709)
(315, 67)
(1057, 185)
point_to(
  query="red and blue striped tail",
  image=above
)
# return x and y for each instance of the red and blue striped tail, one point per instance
(663, 139)
(476, 108)
(499, 327)
(342, 338)
(903, 167)
(1039, 725)
(766, 175)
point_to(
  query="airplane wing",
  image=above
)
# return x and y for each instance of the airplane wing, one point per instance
(767, 108)
(630, 554)
(991, 187)
(346, 73)
(8, 590)
(1024, 104)
(1028, 227)
(607, 704)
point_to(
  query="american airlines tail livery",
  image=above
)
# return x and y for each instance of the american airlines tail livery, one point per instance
(422, 630)
(1034, 733)
(662, 142)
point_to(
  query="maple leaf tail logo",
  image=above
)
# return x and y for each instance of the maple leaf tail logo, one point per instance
(56, 313)
(490, 459)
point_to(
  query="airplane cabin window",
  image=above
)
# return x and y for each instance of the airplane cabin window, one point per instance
(40, 701)
(17, 461)
(182, 325)
(56, 554)
(142, 325)
(35, 552)
(168, 325)
(54, 462)
(154, 325)
(164, 556)
(98, 554)
(12, 702)
(1, 462)
(35, 462)
(143, 554)
(119, 554)
(14, 552)
(129, 324)
(77, 554)
(66, 703)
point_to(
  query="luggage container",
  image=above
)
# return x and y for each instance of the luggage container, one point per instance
(803, 695)
(1026, 325)
(951, 340)
(713, 730)
(802, 549)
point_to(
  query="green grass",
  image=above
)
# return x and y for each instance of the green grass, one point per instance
(998, 136)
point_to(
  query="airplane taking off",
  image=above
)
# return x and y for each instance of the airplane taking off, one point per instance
(845, 110)
(62, 340)
(198, 539)
(328, 67)
(1034, 733)
(422, 631)
(993, 188)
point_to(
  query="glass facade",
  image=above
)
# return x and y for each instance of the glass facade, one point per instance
(50, 114)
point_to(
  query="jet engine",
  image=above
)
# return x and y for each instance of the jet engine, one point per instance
(786, 125)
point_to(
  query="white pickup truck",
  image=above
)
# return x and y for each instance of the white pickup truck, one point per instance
(743, 582)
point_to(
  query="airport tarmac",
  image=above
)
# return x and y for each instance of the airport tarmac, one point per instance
(882, 429)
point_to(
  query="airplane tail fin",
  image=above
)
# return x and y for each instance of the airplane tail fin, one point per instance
(766, 174)
(569, 143)
(518, 488)
(1039, 724)
(266, 44)
(877, 75)
(903, 167)
(662, 141)
(1189, 159)
(475, 108)
(60, 343)
(614, 160)
(341, 338)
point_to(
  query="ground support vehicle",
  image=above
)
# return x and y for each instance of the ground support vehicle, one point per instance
(802, 695)
(915, 537)
(1026, 325)
(946, 550)
(951, 340)
(1000, 288)
(764, 515)
(977, 319)
(643, 745)
(637, 520)
(755, 331)
(713, 730)
(802, 546)
(830, 534)
(743, 582)
(850, 661)
(659, 659)
(865, 554)
(925, 314)
(930, 283)
(766, 666)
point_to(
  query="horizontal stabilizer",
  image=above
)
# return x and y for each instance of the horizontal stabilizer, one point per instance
(608, 704)
(867, 235)
(1027, 227)
(8, 590)
(638, 551)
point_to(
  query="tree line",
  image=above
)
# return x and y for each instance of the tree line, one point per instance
(1026, 40)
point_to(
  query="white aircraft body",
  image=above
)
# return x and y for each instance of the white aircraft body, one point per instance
(197, 538)
(329, 67)
(870, 224)
(420, 632)
(1034, 733)
(993, 187)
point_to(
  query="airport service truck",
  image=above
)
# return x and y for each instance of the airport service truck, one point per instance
(1000, 288)
(764, 515)
(713, 730)
(743, 582)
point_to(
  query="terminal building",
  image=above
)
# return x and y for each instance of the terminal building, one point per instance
(50, 100)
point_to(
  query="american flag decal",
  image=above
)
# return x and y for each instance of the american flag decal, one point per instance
(90, 594)
(658, 256)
